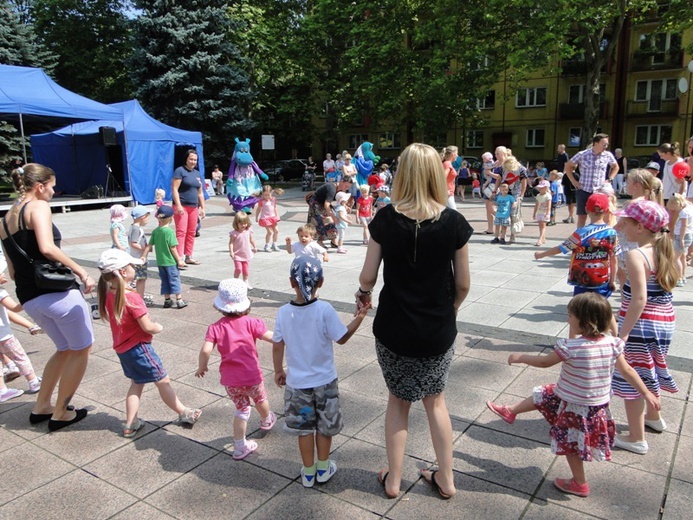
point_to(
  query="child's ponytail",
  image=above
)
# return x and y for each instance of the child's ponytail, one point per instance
(667, 272)
(106, 281)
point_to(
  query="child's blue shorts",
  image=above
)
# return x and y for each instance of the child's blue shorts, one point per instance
(142, 364)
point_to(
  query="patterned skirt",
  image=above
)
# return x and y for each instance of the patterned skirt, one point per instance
(412, 379)
(586, 431)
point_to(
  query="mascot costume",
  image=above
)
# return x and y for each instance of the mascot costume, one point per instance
(364, 160)
(243, 185)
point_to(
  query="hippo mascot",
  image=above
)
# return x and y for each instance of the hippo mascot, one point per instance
(243, 185)
(364, 160)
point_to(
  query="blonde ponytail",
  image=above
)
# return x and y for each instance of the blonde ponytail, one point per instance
(667, 273)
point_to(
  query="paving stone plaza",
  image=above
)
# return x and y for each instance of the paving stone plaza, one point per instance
(502, 471)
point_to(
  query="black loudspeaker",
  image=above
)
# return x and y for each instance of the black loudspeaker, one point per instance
(107, 135)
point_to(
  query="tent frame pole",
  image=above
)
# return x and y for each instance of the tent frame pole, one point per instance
(21, 128)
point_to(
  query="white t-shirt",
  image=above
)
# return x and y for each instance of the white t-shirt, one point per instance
(687, 213)
(312, 249)
(308, 331)
(669, 184)
(5, 328)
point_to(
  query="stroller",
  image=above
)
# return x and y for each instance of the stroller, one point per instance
(307, 180)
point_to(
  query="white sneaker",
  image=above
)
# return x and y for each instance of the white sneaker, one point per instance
(34, 386)
(275, 247)
(639, 447)
(10, 393)
(658, 425)
(326, 474)
(267, 248)
(307, 480)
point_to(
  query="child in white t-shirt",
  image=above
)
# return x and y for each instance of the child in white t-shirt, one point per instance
(307, 327)
(306, 245)
(683, 232)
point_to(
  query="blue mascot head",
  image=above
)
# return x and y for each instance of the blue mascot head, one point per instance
(241, 152)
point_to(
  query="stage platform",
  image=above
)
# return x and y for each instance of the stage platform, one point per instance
(67, 203)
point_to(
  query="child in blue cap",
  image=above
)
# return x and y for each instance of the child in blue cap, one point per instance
(307, 327)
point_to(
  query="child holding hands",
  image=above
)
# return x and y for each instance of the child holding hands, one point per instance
(132, 331)
(234, 335)
(306, 327)
(577, 405)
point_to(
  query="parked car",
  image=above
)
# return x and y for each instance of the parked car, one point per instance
(284, 170)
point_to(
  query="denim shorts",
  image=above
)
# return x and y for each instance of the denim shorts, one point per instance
(65, 317)
(309, 409)
(142, 364)
(687, 241)
(170, 279)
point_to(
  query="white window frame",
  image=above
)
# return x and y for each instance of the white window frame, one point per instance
(532, 134)
(482, 103)
(654, 135)
(530, 97)
(475, 138)
(356, 140)
(391, 140)
(648, 90)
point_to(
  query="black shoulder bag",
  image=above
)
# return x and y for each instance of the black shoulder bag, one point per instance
(48, 275)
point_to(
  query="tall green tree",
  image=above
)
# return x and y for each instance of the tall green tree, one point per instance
(18, 46)
(92, 41)
(189, 74)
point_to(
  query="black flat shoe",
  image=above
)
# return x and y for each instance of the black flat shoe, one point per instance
(36, 418)
(57, 425)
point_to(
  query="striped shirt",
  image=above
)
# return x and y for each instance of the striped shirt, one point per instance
(588, 365)
(593, 168)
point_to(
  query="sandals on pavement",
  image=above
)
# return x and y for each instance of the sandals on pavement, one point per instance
(191, 261)
(190, 415)
(433, 482)
(250, 446)
(382, 478)
(267, 424)
(130, 430)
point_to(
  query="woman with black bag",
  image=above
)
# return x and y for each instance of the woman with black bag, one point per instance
(48, 292)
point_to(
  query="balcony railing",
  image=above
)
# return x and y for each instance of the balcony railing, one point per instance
(576, 68)
(651, 60)
(653, 108)
(568, 111)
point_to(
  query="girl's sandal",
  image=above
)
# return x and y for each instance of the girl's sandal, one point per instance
(190, 415)
(130, 430)
(382, 478)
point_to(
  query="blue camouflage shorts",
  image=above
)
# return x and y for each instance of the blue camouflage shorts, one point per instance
(309, 409)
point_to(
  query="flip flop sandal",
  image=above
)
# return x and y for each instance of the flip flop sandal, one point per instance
(250, 446)
(435, 485)
(190, 415)
(129, 431)
(192, 261)
(382, 478)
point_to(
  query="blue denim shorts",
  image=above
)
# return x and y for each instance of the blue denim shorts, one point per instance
(170, 279)
(142, 364)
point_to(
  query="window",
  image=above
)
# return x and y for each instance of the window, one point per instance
(654, 91)
(389, 140)
(652, 135)
(355, 140)
(475, 139)
(535, 138)
(488, 102)
(659, 44)
(576, 93)
(574, 137)
(531, 97)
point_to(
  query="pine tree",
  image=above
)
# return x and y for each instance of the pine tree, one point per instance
(187, 72)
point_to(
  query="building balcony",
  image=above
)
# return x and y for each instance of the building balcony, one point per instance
(651, 60)
(575, 68)
(576, 111)
(652, 108)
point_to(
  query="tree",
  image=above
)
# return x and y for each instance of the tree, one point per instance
(189, 74)
(18, 46)
(92, 41)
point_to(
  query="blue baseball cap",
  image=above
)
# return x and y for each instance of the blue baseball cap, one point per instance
(139, 211)
(164, 212)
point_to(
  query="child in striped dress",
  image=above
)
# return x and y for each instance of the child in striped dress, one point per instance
(646, 318)
(577, 406)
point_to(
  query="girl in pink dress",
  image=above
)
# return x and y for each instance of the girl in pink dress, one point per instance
(266, 215)
(241, 246)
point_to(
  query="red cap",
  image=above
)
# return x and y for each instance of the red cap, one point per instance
(598, 203)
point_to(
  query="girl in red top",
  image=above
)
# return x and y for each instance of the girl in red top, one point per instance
(132, 330)
(365, 209)
(449, 155)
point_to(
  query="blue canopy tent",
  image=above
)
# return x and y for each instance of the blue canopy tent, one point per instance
(148, 149)
(27, 93)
